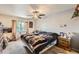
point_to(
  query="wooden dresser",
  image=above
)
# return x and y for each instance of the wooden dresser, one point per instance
(64, 43)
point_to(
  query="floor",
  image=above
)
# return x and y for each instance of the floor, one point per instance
(57, 50)
(17, 47)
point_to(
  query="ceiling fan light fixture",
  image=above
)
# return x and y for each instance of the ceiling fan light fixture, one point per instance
(35, 12)
(37, 15)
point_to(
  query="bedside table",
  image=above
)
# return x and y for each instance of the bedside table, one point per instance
(64, 43)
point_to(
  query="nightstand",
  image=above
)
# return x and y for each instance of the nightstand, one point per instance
(64, 43)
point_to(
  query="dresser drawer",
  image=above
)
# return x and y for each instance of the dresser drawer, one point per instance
(64, 43)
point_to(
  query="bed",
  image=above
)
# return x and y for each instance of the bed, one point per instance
(38, 44)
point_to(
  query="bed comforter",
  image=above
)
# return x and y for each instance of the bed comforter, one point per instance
(38, 44)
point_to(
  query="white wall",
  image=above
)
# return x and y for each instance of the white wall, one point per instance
(7, 21)
(52, 23)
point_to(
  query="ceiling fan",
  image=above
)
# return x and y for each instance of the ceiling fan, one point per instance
(36, 15)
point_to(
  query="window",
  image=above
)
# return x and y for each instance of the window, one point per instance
(20, 27)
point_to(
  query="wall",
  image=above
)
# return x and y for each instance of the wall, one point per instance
(52, 23)
(7, 21)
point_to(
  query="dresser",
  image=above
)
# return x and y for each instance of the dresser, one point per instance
(64, 43)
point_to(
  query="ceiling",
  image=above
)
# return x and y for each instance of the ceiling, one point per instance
(22, 10)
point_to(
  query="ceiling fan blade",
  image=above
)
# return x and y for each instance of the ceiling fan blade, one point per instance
(41, 14)
(39, 17)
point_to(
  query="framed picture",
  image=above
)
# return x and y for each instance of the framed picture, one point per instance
(30, 24)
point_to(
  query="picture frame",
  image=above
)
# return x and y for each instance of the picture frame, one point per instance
(30, 24)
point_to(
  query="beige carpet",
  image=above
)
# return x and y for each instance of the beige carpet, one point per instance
(15, 47)
(57, 50)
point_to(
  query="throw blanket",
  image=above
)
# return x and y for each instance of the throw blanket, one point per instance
(37, 42)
